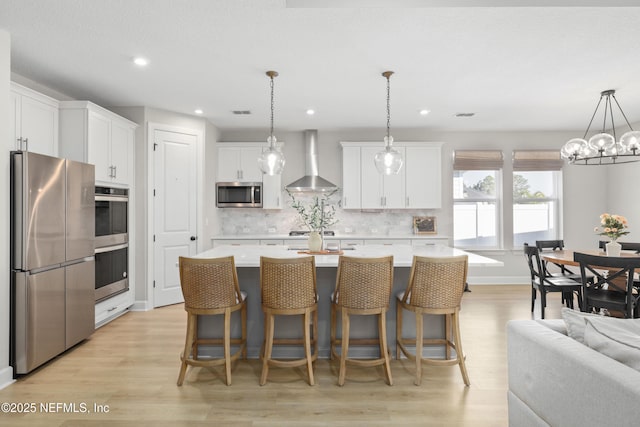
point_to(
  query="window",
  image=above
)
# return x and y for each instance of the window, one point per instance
(477, 186)
(537, 178)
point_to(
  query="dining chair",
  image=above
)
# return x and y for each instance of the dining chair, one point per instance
(545, 284)
(613, 286)
(363, 287)
(556, 245)
(210, 287)
(288, 288)
(435, 287)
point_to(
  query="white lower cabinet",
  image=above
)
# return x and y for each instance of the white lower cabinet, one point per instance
(272, 242)
(113, 307)
(234, 242)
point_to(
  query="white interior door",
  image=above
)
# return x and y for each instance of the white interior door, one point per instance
(174, 210)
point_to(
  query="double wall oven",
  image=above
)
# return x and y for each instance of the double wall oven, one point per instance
(112, 241)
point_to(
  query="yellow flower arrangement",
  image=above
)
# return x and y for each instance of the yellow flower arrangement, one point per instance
(612, 226)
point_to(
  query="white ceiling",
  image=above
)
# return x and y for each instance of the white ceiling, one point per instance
(517, 68)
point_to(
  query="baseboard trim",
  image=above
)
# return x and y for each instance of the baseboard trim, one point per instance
(141, 306)
(6, 377)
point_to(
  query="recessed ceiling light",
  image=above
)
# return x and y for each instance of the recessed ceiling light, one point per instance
(140, 61)
(424, 112)
(310, 112)
(198, 111)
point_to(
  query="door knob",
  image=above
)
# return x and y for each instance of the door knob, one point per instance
(193, 238)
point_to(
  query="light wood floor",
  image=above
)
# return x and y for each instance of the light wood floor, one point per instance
(131, 366)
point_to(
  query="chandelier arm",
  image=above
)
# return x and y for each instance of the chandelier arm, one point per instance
(622, 112)
(592, 117)
(604, 118)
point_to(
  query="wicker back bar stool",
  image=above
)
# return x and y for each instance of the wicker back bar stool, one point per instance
(363, 287)
(435, 286)
(288, 287)
(210, 287)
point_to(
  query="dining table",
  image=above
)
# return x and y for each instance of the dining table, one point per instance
(565, 256)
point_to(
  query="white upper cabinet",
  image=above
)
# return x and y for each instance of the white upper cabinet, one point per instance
(423, 172)
(351, 178)
(90, 133)
(239, 163)
(271, 191)
(416, 186)
(379, 191)
(34, 122)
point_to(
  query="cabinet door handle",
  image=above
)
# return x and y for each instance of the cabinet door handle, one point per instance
(407, 201)
(344, 202)
(115, 171)
(19, 144)
(26, 144)
(278, 201)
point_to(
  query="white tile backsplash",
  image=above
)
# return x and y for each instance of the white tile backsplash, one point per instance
(235, 221)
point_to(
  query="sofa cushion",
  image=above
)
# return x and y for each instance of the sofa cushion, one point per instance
(576, 322)
(616, 338)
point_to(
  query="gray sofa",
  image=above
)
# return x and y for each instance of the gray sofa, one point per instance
(556, 381)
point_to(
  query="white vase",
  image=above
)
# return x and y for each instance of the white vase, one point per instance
(613, 248)
(315, 241)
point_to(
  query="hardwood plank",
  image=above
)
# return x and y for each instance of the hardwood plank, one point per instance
(131, 366)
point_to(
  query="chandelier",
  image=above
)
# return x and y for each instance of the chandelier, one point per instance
(389, 160)
(603, 148)
(272, 160)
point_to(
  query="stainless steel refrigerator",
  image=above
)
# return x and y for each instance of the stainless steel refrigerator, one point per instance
(52, 248)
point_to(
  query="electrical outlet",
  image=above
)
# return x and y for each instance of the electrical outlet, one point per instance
(348, 230)
(271, 230)
(246, 230)
(374, 230)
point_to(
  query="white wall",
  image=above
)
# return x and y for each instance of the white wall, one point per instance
(6, 372)
(585, 189)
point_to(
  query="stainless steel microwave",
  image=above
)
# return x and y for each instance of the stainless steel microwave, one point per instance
(239, 194)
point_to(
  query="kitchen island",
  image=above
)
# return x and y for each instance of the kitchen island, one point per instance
(247, 259)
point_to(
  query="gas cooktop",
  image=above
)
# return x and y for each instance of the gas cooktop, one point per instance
(306, 233)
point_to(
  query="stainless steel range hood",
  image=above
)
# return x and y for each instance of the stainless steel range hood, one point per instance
(311, 181)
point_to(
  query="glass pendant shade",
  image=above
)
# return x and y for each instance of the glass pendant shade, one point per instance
(272, 160)
(388, 161)
(602, 142)
(573, 148)
(630, 141)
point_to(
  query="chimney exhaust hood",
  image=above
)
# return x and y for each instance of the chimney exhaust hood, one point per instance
(311, 182)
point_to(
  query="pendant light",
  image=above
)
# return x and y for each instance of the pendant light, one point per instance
(272, 160)
(603, 148)
(389, 160)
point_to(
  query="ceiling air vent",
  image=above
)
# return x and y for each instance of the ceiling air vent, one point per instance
(241, 112)
(465, 114)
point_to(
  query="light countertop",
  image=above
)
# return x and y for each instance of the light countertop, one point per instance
(343, 236)
(249, 255)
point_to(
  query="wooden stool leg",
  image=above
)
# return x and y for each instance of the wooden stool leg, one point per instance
(315, 333)
(268, 347)
(307, 345)
(188, 344)
(419, 341)
(447, 336)
(345, 347)
(333, 327)
(227, 344)
(382, 324)
(459, 352)
(243, 320)
(398, 328)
